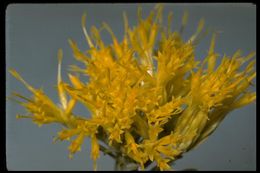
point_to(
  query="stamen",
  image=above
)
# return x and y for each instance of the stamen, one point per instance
(83, 24)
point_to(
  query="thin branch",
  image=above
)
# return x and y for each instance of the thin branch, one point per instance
(106, 151)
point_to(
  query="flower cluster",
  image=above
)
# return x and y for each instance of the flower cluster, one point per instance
(150, 100)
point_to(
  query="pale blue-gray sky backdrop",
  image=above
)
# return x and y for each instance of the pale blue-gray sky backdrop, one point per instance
(34, 33)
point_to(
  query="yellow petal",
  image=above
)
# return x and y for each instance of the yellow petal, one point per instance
(76, 81)
(77, 53)
(76, 144)
(212, 56)
(244, 100)
(17, 76)
(94, 150)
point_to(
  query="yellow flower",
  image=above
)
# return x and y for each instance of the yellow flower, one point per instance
(148, 103)
(131, 145)
(76, 144)
(163, 164)
(42, 109)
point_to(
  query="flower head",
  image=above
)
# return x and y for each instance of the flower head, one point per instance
(149, 99)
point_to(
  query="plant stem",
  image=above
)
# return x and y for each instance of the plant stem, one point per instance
(106, 151)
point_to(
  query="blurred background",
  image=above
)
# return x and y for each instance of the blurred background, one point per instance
(35, 32)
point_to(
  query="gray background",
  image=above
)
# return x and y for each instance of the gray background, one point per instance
(34, 33)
